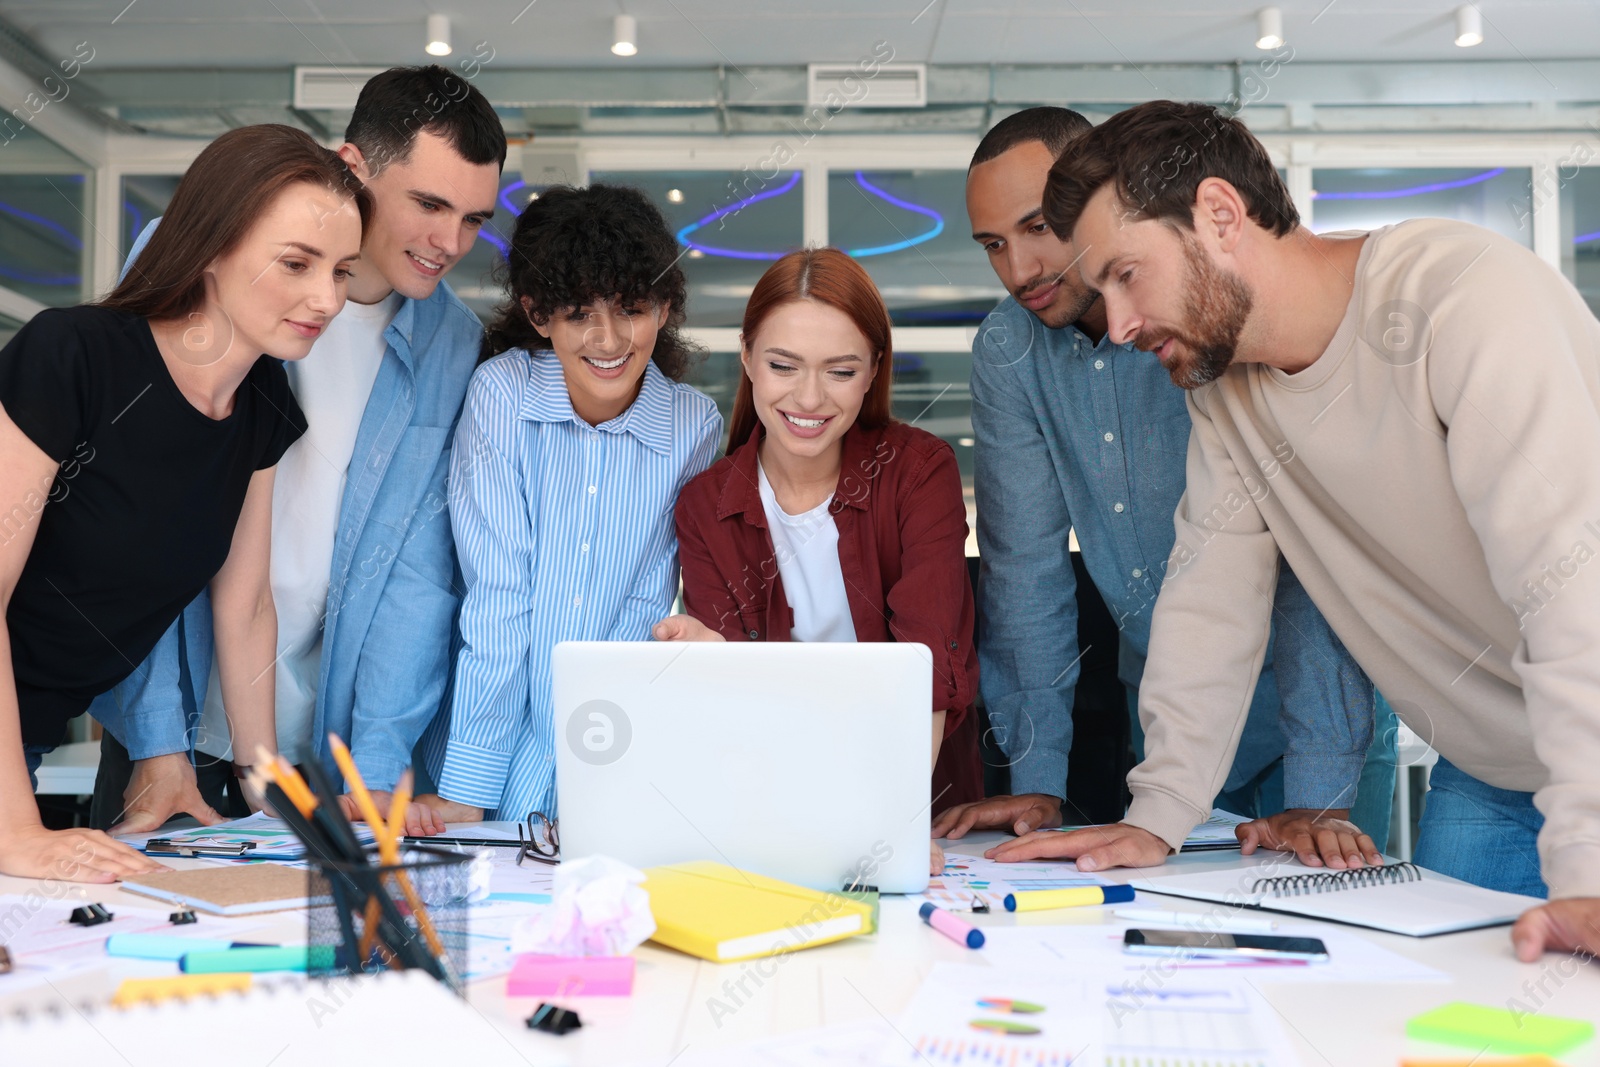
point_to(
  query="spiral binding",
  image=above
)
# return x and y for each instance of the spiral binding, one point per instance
(1334, 881)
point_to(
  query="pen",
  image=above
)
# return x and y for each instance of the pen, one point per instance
(1193, 918)
(950, 926)
(1082, 896)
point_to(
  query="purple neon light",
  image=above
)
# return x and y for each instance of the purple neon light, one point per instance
(896, 246)
(1416, 190)
(737, 205)
(1595, 236)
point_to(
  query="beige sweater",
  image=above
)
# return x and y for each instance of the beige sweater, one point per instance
(1434, 481)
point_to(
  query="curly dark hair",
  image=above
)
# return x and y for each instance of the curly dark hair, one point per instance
(574, 246)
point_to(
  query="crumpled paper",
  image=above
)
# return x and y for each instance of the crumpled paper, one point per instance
(599, 907)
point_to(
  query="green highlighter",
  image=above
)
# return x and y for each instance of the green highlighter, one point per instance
(265, 958)
(1496, 1030)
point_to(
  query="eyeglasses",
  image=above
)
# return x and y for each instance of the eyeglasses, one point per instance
(542, 844)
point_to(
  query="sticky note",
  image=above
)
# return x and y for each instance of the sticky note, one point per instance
(1497, 1030)
(160, 946)
(571, 976)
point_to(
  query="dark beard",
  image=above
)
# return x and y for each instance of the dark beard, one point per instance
(1216, 306)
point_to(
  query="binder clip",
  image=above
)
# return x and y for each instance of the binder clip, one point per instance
(554, 1020)
(90, 915)
(183, 916)
(979, 906)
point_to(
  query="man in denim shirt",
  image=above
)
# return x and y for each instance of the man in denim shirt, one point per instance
(364, 572)
(1076, 432)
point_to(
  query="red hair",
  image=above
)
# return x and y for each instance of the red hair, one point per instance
(829, 277)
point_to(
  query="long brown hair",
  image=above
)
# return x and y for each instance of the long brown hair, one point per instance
(828, 276)
(230, 183)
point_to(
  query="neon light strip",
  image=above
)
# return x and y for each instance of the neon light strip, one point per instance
(1416, 190)
(505, 195)
(879, 250)
(737, 205)
(1595, 236)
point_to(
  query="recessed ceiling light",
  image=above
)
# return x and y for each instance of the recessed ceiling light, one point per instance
(1469, 26)
(674, 196)
(625, 35)
(695, 253)
(1269, 28)
(438, 36)
(533, 196)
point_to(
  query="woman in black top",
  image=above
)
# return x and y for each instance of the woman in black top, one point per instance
(137, 443)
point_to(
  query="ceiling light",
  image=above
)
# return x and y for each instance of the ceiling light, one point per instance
(674, 196)
(438, 35)
(625, 35)
(1269, 28)
(695, 253)
(1469, 26)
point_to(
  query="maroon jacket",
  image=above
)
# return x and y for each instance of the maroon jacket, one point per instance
(902, 548)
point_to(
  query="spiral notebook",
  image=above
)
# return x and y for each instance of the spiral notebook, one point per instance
(1400, 898)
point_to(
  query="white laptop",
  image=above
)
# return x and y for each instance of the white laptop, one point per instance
(804, 762)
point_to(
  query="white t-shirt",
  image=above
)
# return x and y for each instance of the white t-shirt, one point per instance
(807, 547)
(333, 384)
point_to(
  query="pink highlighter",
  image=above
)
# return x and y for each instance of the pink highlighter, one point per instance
(951, 927)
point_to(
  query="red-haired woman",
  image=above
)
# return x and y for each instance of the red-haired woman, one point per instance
(827, 520)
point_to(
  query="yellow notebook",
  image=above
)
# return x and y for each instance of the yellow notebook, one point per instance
(722, 914)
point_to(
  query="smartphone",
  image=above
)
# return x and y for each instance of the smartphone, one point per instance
(1233, 946)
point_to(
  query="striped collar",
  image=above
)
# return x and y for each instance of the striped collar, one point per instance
(648, 418)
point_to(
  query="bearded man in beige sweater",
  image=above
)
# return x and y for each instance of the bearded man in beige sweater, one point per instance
(1412, 417)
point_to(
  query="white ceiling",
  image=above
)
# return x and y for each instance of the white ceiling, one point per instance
(576, 33)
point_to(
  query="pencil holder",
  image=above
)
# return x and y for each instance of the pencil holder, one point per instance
(368, 917)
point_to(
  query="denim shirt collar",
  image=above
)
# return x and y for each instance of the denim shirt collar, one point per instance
(649, 419)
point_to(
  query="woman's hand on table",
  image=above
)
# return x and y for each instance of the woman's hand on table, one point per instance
(683, 628)
(421, 820)
(76, 855)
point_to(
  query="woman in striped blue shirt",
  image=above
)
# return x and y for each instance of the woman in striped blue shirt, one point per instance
(572, 447)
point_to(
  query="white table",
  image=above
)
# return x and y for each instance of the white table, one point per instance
(69, 770)
(872, 977)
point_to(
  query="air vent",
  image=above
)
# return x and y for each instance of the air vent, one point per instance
(891, 85)
(330, 88)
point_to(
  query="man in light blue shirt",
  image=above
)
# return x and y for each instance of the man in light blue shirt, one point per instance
(364, 573)
(1075, 432)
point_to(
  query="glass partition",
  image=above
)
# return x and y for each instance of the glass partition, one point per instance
(909, 230)
(1497, 198)
(1580, 234)
(731, 225)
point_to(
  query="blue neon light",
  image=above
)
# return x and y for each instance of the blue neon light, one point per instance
(67, 237)
(505, 197)
(879, 250)
(859, 253)
(1595, 236)
(737, 205)
(1416, 190)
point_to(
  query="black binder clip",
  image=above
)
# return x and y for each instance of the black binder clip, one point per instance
(90, 915)
(979, 906)
(183, 916)
(554, 1020)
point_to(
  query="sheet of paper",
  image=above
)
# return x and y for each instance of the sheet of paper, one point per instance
(1031, 1018)
(844, 1045)
(966, 879)
(273, 839)
(1216, 830)
(1351, 956)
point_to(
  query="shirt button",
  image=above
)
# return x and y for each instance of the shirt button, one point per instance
(954, 645)
(754, 636)
(577, 600)
(1137, 573)
(585, 548)
(1117, 507)
(591, 490)
(1099, 364)
(1111, 437)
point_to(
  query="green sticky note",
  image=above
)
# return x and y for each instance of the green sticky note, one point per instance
(1497, 1030)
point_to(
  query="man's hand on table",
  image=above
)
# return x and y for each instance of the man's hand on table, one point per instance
(1318, 838)
(1559, 926)
(1095, 848)
(1019, 814)
(160, 788)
